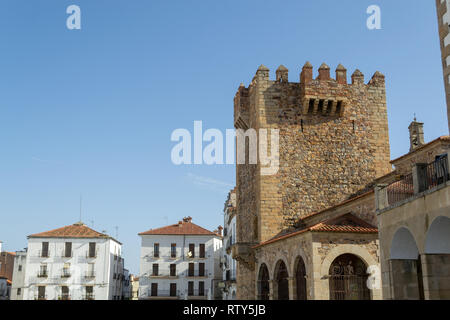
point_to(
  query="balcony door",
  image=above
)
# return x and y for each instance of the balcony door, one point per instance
(154, 290)
(173, 289)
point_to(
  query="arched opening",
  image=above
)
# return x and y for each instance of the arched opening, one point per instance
(436, 274)
(263, 283)
(348, 279)
(300, 279)
(405, 267)
(281, 285)
(438, 237)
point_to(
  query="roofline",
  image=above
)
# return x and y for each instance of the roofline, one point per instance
(311, 229)
(53, 237)
(441, 138)
(180, 234)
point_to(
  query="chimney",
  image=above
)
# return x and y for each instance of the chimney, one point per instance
(416, 135)
(187, 219)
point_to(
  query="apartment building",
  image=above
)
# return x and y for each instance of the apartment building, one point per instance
(70, 263)
(180, 261)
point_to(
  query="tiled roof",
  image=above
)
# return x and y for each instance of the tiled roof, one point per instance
(346, 223)
(185, 227)
(77, 230)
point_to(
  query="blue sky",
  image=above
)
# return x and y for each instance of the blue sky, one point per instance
(91, 111)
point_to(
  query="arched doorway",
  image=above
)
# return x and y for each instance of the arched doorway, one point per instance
(263, 283)
(348, 279)
(281, 281)
(300, 279)
(405, 268)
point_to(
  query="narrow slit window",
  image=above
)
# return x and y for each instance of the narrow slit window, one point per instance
(311, 106)
(339, 108)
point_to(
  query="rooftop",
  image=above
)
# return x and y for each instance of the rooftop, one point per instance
(184, 227)
(77, 230)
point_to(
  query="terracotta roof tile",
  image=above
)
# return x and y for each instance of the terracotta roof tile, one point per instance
(77, 230)
(346, 223)
(185, 227)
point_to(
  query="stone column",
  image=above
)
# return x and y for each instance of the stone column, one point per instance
(271, 293)
(292, 288)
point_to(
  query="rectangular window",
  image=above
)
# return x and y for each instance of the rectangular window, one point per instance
(90, 270)
(90, 293)
(190, 288)
(66, 270)
(20, 267)
(201, 269)
(173, 270)
(43, 270)
(154, 290)
(191, 270)
(65, 293)
(19, 291)
(44, 251)
(173, 289)
(92, 249)
(41, 292)
(173, 250)
(156, 250)
(155, 269)
(201, 288)
(202, 250)
(191, 250)
(68, 250)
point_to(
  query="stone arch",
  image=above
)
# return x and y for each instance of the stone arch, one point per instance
(403, 245)
(281, 281)
(300, 283)
(362, 253)
(263, 282)
(356, 250)
(405, 268)
(438, 237)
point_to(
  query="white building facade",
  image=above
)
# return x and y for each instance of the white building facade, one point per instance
(18, 280)
(180, 261)
(71, 263)
(227, 262)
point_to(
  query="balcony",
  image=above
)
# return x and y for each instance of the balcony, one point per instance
(67, 255)
(163, 276)
(91, 255)
(423, 178)
(66, 273)
(164, 294)
(42, 274)
(197, 294)
(43, 254)
(89, 296)
(64, 297)
(198, 274)
(40, 297)
(89, 275)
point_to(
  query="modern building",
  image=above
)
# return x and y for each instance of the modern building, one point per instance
(227, 262)
(71, 263)
(180, 261)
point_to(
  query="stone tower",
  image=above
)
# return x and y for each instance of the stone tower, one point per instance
(443, 13)
(333, 142)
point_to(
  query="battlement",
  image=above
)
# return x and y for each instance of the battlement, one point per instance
(311, 96)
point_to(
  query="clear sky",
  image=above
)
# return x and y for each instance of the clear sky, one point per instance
(91, 111)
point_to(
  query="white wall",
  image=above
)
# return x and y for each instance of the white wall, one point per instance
(212, 252)
(104, 268)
